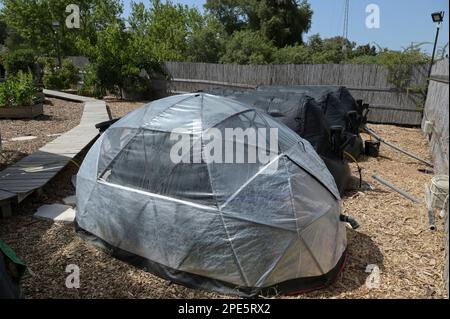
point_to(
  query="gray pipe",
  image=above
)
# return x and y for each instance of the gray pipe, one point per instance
(431, 219)
(395, 188)
(382, 140)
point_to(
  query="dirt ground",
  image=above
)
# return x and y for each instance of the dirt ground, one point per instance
(394, 236)
(59, 117)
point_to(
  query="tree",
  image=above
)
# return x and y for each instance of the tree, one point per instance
(281, 21)
(31, 21)
(230, 13)
(333, 50)
(248, 47)
(117, 61)
(165, 29)
(20, 60)
(3, 32)
(207, 43)
(298, 54)
(400, 64)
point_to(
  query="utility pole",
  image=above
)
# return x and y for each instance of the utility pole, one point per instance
(346, 15)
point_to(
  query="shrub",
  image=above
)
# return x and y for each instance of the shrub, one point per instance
(91, 84)
(298, 54)
(400, 65)
(18, 91)
(137, 88)
(60, 79)
(19, 60)
(248, 47)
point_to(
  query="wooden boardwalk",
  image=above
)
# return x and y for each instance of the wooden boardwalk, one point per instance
(34, 171)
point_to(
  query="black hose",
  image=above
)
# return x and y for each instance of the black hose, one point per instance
(348, 219)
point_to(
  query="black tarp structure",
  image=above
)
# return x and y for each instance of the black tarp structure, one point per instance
(304, 115)
(339, 107)
(245, 228)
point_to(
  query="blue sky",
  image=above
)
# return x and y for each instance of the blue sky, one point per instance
(401, 21)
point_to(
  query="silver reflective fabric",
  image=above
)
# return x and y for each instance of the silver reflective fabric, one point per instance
(249, 225)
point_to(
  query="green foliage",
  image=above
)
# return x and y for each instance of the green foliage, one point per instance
(282, 22)
(18, 91)
(248, 47)
(363, 59)
(324, 51)
(173, 32)
(230, 13)
(118, 59)
(299, 54)
(3, 31)
(109, 56)
(400, 65)
(91, 84)
(60, 79)
(19, 60)
(207, 43)
(30, 23)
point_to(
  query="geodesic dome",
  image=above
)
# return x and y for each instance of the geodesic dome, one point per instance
(234, 227)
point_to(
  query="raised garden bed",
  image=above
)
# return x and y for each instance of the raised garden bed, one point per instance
(26, 112)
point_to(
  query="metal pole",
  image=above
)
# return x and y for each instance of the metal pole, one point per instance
(396, 189)
(434, 50)
(58, 50)
(382, 140)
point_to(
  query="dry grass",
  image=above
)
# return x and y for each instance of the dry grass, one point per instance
(394, 235)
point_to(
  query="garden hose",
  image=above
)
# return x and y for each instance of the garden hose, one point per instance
(357, 165)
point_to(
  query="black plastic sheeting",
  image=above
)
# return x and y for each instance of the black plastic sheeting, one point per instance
(339, 108)
(304, 115)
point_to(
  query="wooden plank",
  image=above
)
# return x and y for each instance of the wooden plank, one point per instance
(67, 96)
(5, 195)
(37, 169)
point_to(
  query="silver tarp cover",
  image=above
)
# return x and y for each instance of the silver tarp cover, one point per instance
(250, 225)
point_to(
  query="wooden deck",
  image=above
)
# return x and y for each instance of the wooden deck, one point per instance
(34, 171)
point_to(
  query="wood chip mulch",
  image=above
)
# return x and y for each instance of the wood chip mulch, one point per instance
(394, 236)
(59, 117)
(119, 108)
